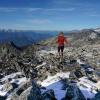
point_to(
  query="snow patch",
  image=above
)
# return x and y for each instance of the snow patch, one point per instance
(53, 82)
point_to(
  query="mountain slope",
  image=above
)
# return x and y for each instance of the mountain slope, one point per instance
(22, 38)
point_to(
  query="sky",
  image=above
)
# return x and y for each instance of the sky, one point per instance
(49, 14)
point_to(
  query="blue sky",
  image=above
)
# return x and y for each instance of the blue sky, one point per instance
(49, 14)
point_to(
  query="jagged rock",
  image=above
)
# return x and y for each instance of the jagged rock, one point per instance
(49, 95)
(17, 92)
(73, 93)
(72, 76)
(3, 98)
(97, 96)
(73, 61)
(43, 77)
(24, 94)
(52, 72)
(65, 83)
(35, 93)
(1, 76)
(78, 73)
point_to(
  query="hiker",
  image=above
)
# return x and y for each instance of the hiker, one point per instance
(61, 40)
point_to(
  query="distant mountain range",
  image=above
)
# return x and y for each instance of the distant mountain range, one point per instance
(23, 38)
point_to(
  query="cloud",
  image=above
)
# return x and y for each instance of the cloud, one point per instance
(60, 9)
(40, 21)
(4, 9)
(31, 9)
(92, 13)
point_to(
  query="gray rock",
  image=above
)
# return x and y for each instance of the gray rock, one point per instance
(65, 83)
(35, 93)
(49, 95)
(97, 96)
(17, 92)
(73, 93)
(24, 95)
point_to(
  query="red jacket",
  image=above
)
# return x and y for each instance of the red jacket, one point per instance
(61, 40)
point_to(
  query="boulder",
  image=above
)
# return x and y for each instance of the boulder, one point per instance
(65, 83)
(97, 96)
(35, 93)
(73, 93)
(49, 95)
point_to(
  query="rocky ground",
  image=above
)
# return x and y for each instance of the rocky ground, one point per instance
(36, 73)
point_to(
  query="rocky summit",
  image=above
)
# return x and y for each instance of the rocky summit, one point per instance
(35, 72)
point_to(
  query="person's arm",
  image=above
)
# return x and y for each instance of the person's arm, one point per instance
(67, 42)
(55, 40)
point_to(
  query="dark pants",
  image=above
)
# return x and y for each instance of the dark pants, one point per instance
(61, 48)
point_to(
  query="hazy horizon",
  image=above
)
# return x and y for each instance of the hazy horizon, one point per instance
(46, 30)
